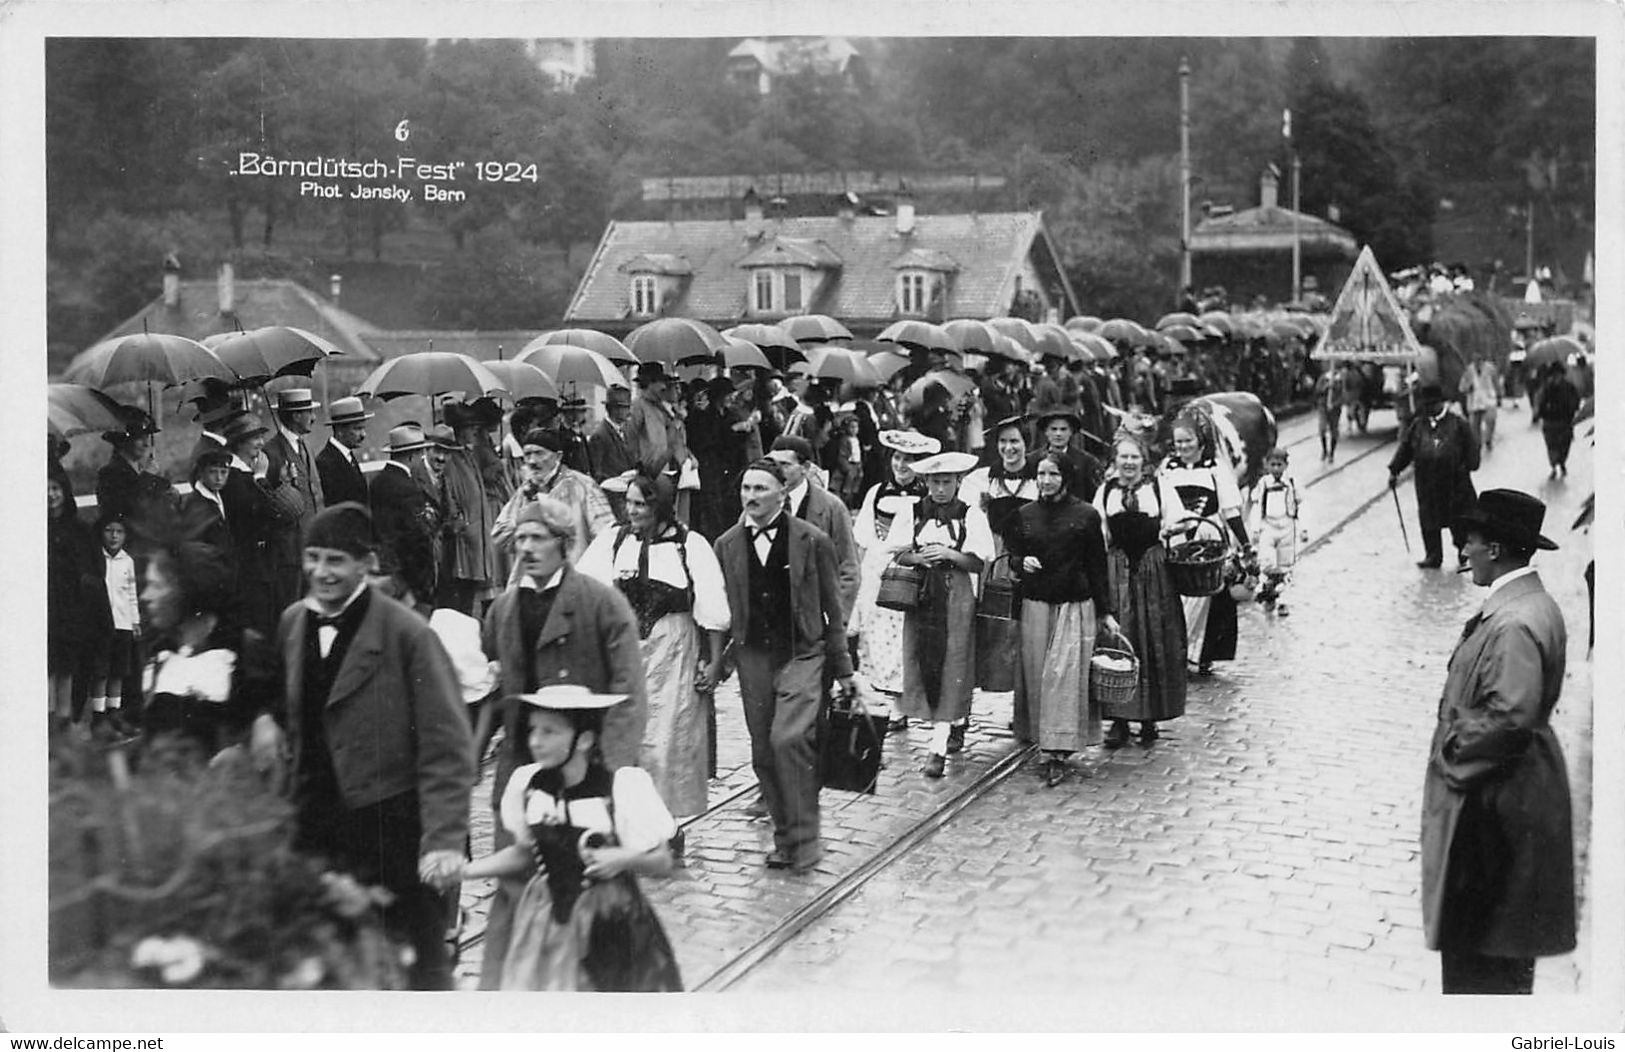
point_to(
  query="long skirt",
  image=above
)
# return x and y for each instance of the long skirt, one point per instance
(1052, 704)
(1558, 439)
(939, 663)
(1153, 619)
(880, 647)
(629, 952)
(1211, 625)
(676, 740)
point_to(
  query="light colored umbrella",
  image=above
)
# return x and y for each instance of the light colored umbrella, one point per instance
(920, 334)
(973, 335)
(838, 363)
(74, 409)
(1218, 321)
(743, 354)
(675, 341)
(1182, 333)
(1084, 323)
(1099, 348)
(592, 339)
(567, 364)
(957, 384)
(1553, 349)
(1122, 330)
(523, 380)
(270, 351)
(146, 357)
(1018, 329)
(431, 373)
(763, 336)
(1178, 317)
(1054, 341)
(888, 364)
(815, 328)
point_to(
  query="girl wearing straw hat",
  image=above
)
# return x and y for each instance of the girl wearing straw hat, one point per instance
(581, 832)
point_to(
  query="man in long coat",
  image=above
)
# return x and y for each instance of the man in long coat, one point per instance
(555, 626)
(608, 448)
(470, 570)
(1497, 834)
(292, 474)
(1442, 446)
(403, 516)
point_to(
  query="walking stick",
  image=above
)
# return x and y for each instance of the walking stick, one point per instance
(1401, 515)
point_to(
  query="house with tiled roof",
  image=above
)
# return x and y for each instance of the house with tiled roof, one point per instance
(755, 63)
(1250, 252)
(866, 271)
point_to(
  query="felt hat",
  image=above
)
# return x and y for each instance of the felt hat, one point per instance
(291, 399)
(946, 464)
(617, 396)
(458, 415)
(213, 458)
(443, 436)
(652, 372)
(910, 442)
(343, 527)
(720, 387)
(1043, 419)
(544, 438)
(347, 411)
(1509, 516)
(570, 697)
(407, 438)
(1018, 422)
(1430, 393)
(240, 428)
(215, 417)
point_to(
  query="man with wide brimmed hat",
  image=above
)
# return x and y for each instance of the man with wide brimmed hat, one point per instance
(337, 464)
(1441, 446)
(291, 470)
(653, 431)
(372, 715)
(1054, 431)
(403, 516)
(215, 407)
(1497, 833)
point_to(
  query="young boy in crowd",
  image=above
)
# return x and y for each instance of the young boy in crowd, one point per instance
(122, 658)
(1277, 528)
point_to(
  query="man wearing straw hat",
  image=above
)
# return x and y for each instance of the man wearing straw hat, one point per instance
(1497, 833)
(292, 473)
(336, 465)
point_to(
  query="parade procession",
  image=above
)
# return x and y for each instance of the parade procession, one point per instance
(837, 586)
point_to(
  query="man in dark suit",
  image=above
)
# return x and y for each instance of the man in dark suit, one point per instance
(1497, 827)
(775, 563)
(554, 625)
(806, 501)
(402, 515)
(216, 408)
(372, 715)
(573, 433)
(291, 471)
(608, 448)
(340, 472)
(1055, 430)
(1442, 447)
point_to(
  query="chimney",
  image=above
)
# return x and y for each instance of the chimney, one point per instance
(846, 207)
(172, 281)
(753, 214)
(334, 281)
(905, 211)
(227, 289)
(1269, 187)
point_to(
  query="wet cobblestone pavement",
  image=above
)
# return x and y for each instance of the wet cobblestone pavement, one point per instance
(1269, 838)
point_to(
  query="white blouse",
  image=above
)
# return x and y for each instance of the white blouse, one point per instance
(1155, 495)
(979, 487)
(641, 820)
(603, 562)
(978, 535)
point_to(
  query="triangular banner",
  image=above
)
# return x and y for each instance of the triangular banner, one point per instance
(1367, 324)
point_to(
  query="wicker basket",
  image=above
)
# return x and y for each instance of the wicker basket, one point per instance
(1193, 572)
(1114, 687)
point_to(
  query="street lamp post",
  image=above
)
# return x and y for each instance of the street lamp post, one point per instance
(1184, 173)
(1297, 204)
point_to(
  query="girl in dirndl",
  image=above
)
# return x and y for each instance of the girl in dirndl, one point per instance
(582, 832)
(952, 542)
(880, 631)
(674, 583)
(1135, 508)
(1000, 490)
(1059, 555)
(1206, 487)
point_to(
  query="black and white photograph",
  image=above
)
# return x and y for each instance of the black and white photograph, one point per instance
(986, 519)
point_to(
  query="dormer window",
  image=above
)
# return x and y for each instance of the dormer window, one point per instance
(914, 292)
(645, 296)
(776, 291)
(923, 277)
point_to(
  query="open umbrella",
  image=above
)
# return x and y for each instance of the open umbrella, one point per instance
(920, 334)
(971, 335)
(1018, 329)
(74, 409)
(270, 351)
(1099, 347)
(1218, 321)
(592, 339)
(431, 373)
(1055, 341)
(523, 380)
(675, 341)
(743, 354)
(146, 357)
(1121, 330)
(1084, 323)
(815, 328)
(888, 364)
(1553, 349)
(957, 384)
(1183, 333)
(838, 363)
(1526, 323)
(1178, 317)
(763, 336)
(567, 364)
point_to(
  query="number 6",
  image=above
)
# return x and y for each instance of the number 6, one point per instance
(402, 132)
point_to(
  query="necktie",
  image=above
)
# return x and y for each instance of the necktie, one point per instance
(1467, 629)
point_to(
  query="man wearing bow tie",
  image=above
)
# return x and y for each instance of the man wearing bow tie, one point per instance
(372, 715)
(1497, 829)
(777, 564)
